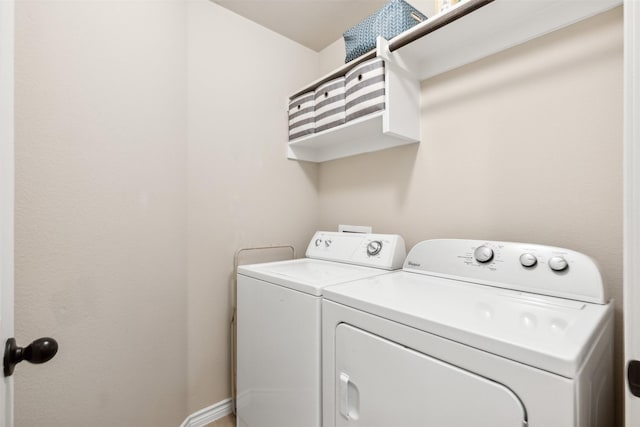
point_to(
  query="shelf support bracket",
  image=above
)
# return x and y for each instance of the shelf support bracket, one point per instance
(396, 60)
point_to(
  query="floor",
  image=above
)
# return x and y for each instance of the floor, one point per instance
(228, 421)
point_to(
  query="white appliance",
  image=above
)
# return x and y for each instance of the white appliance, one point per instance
(279, 324)
(471, 333)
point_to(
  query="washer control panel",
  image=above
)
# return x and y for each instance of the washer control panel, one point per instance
(545, 270)
(386, 251)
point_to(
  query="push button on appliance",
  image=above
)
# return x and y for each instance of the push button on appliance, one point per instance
(558, 263)
(528, 260)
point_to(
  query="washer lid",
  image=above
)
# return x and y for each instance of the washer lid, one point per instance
(308, 275)
(549, 333)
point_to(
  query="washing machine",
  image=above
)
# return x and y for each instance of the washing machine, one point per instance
(279, 324)
(482, 333)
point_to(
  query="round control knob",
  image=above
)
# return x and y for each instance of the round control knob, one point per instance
(317, 242)
(327, 243)
(557, 263)
(374, 247)
(528, 260)
(483, 254)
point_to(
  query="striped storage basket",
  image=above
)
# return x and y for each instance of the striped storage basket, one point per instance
(301, 116)
(365, 89)
(329, 104)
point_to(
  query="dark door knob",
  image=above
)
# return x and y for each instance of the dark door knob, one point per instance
(40, 351)
(633, 377)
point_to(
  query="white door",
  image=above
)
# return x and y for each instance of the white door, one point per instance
(380, 384)
(6, 199)
(632, 210)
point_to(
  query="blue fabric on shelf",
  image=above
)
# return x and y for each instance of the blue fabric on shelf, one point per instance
(395, 17)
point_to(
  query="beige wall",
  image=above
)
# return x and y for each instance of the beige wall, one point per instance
(101, 211)
(525, 145)
(331, 57)
(242, 190)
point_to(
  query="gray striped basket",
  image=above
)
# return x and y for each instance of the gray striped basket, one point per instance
(365, 89)
(301, 116)
(329, 104)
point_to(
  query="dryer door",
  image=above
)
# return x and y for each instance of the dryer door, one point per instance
(380, 384)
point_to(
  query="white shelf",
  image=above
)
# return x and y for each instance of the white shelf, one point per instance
(430, 48)
(362, 135)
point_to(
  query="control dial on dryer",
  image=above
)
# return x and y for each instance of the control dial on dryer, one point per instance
(558, 263)
(483, 254)
(528, 260)
(374, 247)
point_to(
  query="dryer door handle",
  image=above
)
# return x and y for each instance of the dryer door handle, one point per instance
(344, 394)
(349, 398)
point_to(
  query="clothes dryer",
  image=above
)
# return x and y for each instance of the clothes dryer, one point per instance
(482, 333)
(279, 324)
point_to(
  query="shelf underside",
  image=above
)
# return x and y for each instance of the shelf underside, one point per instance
(363, 135)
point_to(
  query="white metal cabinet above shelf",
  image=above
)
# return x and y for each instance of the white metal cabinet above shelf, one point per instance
(470, 31)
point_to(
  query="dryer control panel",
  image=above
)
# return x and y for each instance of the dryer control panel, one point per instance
(527, 267)
(386, 251)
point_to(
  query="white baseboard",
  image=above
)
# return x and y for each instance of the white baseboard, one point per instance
(208, 415)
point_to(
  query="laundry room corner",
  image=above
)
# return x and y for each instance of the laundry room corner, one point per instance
(242, 191)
